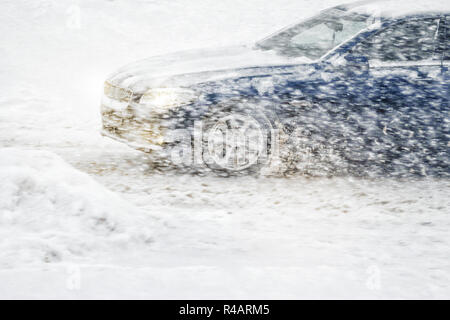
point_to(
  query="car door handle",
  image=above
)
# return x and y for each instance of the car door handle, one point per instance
(424, 80)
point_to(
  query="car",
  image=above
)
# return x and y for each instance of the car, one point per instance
(360, 89)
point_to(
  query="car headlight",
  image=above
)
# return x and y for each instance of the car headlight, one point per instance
(162, 99)
(115, 92)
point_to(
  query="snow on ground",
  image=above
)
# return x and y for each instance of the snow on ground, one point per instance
(52, 212)
(85, 217)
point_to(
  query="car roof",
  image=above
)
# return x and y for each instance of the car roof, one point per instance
(391, 9)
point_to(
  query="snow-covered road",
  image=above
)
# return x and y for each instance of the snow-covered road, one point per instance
(85, 217)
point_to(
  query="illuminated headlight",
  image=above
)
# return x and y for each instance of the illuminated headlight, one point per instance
(115, 92)
(162, 99)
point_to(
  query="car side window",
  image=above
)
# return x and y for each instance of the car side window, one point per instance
(412, 40)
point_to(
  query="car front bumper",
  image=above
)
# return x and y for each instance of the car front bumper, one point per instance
(120, 122)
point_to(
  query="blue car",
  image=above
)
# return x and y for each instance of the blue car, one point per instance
(361, 89)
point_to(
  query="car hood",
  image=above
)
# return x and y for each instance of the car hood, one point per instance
(188, 68)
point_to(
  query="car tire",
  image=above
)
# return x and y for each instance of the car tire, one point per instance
(241, 138)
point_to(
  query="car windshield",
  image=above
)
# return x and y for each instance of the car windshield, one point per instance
(315, 37)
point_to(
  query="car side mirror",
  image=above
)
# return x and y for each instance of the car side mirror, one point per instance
(357, 64)
(357, 60)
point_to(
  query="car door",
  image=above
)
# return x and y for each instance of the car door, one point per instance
(404, 92)
(405, 65)
(445, 45)
(444, 134)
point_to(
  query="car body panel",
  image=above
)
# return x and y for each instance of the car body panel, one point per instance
(379, 115)
(196, 66)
